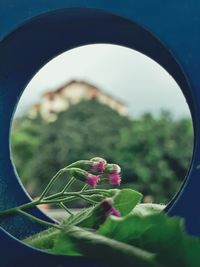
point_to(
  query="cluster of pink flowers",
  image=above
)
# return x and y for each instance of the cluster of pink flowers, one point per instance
(105, 171)
(96, 170)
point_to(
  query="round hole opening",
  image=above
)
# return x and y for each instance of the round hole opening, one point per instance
(109, 101)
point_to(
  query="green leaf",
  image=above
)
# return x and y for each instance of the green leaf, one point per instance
(87, 217)
(125, 239)
(125, 200)
(63, 245)
(90, 216)
(43, 240)
(95, 217)
(173, 246)
(125, 229)
(111, 192)
(158, 234)
(78, 241)
(190, 248)
(46, 239)
(147, 209)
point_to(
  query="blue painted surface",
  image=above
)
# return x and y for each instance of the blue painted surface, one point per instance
(168, 32)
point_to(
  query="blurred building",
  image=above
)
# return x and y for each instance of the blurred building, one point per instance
(69, 94)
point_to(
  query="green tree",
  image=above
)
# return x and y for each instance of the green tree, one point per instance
(24, 141)
(155, 153)
(85, 130)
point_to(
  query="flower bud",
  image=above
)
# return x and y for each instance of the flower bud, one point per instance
(95, 165)
(98, 165)
(113, 174)
(92, 180)
(85, 176)
(113, 212)
(109, 209)
(110, 168)
(114, 178)
(81, 164)
(99, 214)
(96, 159)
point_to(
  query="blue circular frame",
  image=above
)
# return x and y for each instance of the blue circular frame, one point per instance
(23, 53)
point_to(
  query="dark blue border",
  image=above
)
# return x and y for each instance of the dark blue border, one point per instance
(28, 48)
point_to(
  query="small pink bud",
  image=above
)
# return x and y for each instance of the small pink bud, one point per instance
(116, 168)
(95, 165)
(114, 178)
(113, 168)
(92, 180)
(113, 212)
(96, 159)
(108, 209)
(85, 176)
(98, 166)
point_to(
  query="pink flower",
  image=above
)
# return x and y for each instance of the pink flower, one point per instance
(108, 209)
(114, 178)
(113, 212)
(98, 166)
(111, 167)
(85, 176)
(92, 180)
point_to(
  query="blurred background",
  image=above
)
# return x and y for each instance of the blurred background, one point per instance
(107, 101)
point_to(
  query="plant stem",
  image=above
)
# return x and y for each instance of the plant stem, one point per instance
(88, 200)
(68, 185)
(61, 194)
(57, 195)
(62, 205)
(52, 181)
(87, 192)
(64, 197)
(70, 197)
(84, 188)
(21, 207)
(35, 219)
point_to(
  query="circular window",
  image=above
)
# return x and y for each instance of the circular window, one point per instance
(108, 101)
(127, 113)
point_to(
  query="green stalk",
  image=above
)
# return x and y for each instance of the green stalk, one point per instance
(35, 219)
(52, 181)
(63, 199)
(85, 187)
(43, 240)
(85, 192)
(68, 185)
(62, 205)
(88, 200)
(21, 207)
(71, 196)
(68, 196)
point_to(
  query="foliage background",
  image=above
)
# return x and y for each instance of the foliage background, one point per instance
(154, 152)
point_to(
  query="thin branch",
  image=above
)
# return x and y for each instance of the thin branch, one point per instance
(35, 219)
(50, 184)
(62, 205)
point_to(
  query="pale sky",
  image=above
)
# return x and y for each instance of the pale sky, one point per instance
(126, 74)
